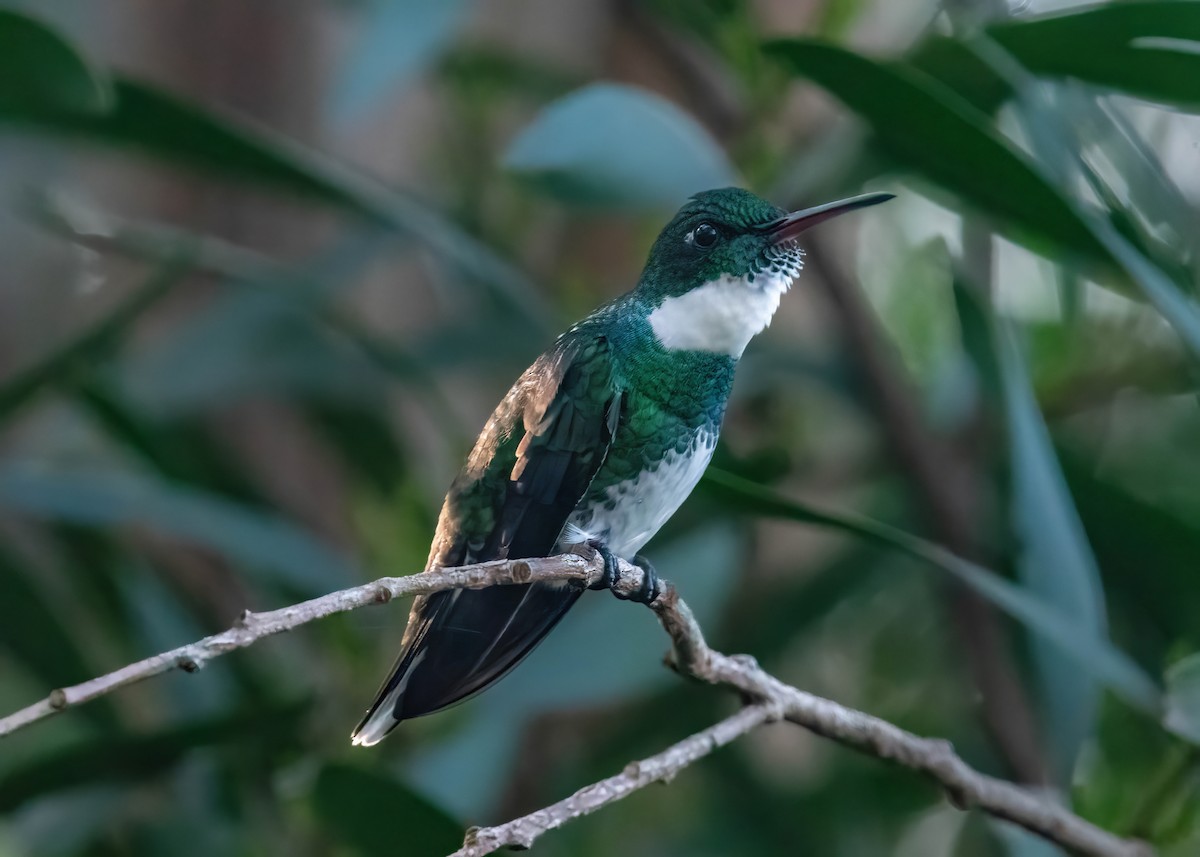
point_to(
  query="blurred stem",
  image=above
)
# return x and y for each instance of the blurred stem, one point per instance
(1163, 792)
(95, 339)
(158, 243)
(946, 484)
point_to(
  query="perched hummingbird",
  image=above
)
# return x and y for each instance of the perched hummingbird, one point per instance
(597, 443)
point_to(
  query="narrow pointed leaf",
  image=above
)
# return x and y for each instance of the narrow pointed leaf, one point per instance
(1146, 49)
(40, 70)
(1183, 699)
(927, 127)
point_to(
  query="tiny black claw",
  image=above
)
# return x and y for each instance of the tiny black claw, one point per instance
(650, 589)
(610, 568)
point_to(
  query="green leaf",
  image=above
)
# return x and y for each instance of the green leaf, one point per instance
(616, 146)
(925, 126)
(1094, 654)
(39, 69)
(1145, 49)
(396, 41)
(1111, 45)
(378, 816)
(1182, 715)
(277, 551)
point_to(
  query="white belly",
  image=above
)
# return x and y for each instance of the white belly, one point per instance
(641, 506)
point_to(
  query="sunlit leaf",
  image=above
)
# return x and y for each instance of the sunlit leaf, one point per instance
(1182, 714)
(617, 146)
(396, 40)
(40, 70)
(1094, 654)
(279, 552)
(378, 816)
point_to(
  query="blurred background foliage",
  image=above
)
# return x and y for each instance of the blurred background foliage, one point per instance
(269, 265)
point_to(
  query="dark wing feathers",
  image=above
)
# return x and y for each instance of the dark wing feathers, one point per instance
(565, 411)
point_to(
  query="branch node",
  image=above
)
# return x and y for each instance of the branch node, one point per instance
(58, 699)
(633, 770)
(243, 621)
(521, 572)
(383, 595)
(188, 664)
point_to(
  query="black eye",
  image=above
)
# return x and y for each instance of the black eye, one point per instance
(704, 236)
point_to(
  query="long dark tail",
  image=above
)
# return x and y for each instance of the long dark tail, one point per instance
(461, 642)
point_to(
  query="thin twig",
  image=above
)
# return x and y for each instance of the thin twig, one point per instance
(770, 699)
(660, 768)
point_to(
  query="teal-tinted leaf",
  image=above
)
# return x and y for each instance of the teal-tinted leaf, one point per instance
(1095, 654)
(617, 146)
(89, 344)
(1181, 311)
(377, 816)
(1182, 714)
(927, 127)
(1054, 562)
(279, 552)
(39, 69)
(134, 757)
(396, 40)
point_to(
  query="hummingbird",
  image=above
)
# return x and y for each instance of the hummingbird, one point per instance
(598, 443)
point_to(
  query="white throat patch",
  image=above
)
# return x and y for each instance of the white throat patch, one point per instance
(721, 316)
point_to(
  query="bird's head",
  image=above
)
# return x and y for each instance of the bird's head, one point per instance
(718, 269)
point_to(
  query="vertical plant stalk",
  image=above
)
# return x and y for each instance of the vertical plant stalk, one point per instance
(946, 483)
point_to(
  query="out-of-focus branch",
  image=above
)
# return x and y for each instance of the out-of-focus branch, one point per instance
(768, 699)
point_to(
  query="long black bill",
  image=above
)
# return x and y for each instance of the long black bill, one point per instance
(786, 228)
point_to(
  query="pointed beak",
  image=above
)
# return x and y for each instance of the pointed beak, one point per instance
(786, 228)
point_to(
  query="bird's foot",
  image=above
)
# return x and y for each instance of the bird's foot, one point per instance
(647, 592)
(609, 576)
(650, 588)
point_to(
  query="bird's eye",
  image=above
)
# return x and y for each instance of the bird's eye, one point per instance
(704, 236)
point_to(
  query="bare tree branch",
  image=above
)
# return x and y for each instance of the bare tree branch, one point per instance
(252, 627)
(770, 699)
